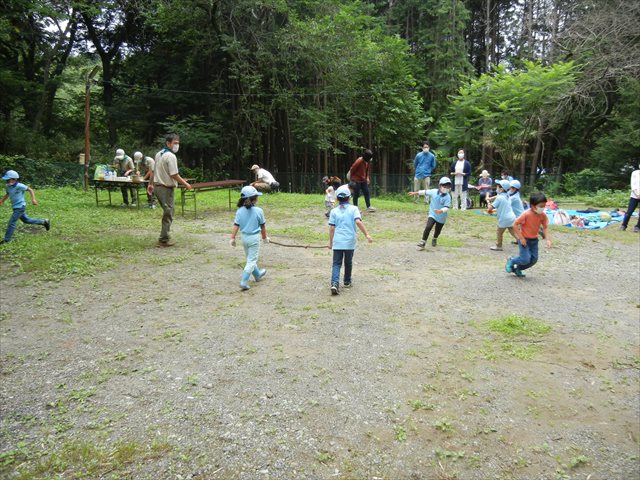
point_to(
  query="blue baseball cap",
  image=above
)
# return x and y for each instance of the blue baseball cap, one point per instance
(11, 174)
(249, 191)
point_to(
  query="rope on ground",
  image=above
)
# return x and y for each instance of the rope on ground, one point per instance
(295, 245)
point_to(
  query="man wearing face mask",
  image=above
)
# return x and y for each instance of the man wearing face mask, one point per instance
(424, 164)
(162, 183)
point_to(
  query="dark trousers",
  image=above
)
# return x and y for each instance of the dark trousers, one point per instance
(364, 188)
(430, 223)
(338, 257)
(633, 203)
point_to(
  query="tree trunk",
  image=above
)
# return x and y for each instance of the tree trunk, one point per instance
(536, 154)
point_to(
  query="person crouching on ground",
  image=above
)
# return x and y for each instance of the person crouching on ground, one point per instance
(502, 205)
(526, 228)
(15, 191)
(438, 210)
(342, 237)
(251, 223)
(264, 180)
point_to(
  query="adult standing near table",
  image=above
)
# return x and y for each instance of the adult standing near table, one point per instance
(634, 199)
(145, 166)
(460, 171)
(124, 166)
(163, 181)
(359, 175)
(265, 182)
(424, 164)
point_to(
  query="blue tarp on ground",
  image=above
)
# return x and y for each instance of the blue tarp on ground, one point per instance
(592, 220)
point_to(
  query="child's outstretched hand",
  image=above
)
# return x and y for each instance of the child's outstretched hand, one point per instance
(369, 239)
(413, 194)
(34, 202)
(548, 243)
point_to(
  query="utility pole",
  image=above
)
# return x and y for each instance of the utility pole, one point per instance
(87, 123)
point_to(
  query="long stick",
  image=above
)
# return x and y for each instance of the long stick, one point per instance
(296, 246)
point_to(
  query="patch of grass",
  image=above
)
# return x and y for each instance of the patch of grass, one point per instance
(78, 459)
(444, 425)
(400, 433)
(516, 325)
(443, 453)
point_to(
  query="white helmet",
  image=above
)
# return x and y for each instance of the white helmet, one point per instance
(137, 155)
(444, 181)
(119, 154)
(515, 184)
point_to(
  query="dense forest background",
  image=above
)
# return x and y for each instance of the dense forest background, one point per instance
(302, 86)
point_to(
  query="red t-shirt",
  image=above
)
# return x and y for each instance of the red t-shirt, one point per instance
(530, 222)
(359, 170)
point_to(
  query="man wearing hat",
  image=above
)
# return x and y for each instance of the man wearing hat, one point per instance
(124, 166)
(484, 187)
(264, 180)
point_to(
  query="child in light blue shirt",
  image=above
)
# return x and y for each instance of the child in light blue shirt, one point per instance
(506, 217)
(15, 192)
(251, 223)
(342, 237)
(438, 210)
(516, 201)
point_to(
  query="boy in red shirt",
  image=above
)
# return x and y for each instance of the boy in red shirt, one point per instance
(526, 229)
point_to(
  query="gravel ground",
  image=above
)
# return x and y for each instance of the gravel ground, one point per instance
(396, 378)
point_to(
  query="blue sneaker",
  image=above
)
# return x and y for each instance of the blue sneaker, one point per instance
(519, 273)
(509, 266)
(259, 274)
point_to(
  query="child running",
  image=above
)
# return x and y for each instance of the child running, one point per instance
(342, 237)
(250, 221)
(15, 191)
(438, 210)
(502, 205)
(526, 228)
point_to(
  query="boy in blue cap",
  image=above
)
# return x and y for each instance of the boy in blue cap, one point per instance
(438, 210)
(15, 191)
(343, 221)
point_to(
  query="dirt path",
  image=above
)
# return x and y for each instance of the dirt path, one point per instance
(164, 369)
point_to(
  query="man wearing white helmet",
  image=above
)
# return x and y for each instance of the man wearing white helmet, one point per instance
(439, 206)
(145, 166)
(124, 166)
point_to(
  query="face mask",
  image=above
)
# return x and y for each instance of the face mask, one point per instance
(461, 156)
(425, 149)
(540, 210)
(175, 148)
(445, 190)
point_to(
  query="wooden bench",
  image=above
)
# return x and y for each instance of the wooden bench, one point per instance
(206, 187)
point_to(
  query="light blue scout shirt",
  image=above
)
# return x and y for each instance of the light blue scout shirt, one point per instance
(344, 217)
(249, 220)
(438, 202)
(425, 164)
(516, 204)
(16, 194)
(506, 216)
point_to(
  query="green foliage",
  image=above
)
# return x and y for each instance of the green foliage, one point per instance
(40, 173)
(587, 180)
(503, 109)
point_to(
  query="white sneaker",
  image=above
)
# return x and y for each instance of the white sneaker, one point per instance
(133, 205)
(371, 209)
